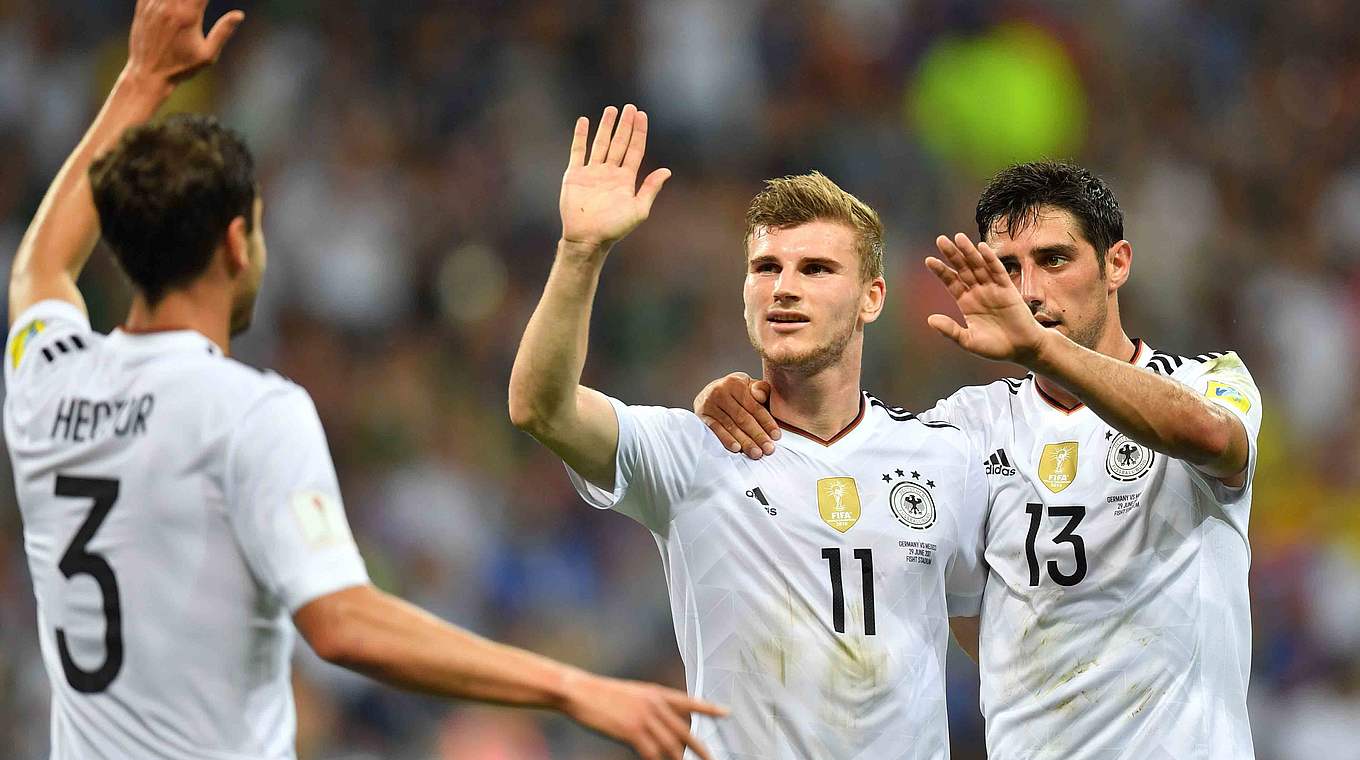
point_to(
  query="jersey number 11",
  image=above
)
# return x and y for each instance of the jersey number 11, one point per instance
(866, 566)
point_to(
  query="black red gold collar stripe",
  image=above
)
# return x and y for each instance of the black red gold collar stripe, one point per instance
(827, 441)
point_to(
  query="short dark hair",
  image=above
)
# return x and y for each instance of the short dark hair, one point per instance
(1015, 195)
(166, 194)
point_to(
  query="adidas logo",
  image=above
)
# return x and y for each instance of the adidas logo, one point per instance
(998, 464)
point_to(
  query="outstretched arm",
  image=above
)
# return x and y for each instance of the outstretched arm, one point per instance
(600, 204)
(166, 46)
(383, 637)
(1155, 411)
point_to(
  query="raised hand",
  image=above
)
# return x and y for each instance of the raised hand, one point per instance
(601, 201)
(167, 42)
(653, 720)
(997, 322)
(733, 408)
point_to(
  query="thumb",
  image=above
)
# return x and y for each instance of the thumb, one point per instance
(222, 31)
(760, 391)
(946, 327)
(651, 186)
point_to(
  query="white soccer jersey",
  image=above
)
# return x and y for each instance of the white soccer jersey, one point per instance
(811, 589)
(177, 505)
(1115, 623)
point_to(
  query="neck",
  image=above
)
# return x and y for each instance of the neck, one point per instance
(1113, 343)
(822, 403)
(184, 310)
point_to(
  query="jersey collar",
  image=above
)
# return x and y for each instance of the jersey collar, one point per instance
(827, 442)
(165, 341)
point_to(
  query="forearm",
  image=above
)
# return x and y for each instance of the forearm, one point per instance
(1152, 410)
(400, 644)
(66, 227)
(552, 353)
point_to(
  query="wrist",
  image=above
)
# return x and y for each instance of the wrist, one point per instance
(571, 686)
(144, 87)
(1043, 356)
(583, 249)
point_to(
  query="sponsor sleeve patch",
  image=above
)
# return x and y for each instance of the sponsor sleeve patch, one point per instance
(21, 339)
(1227, 394)
(321, 519)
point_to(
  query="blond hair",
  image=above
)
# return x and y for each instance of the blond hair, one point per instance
(791, 201)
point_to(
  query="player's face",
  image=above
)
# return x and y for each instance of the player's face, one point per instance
(1056, 270)
(243, 301)
(804, 298)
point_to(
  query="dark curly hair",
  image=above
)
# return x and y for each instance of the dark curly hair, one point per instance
(166, 194)
(1015, 195)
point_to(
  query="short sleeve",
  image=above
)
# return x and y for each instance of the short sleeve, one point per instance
(1225, 382)
(654, 468)
(285, 502)
(944, 411)
(969, 409)
(966, 573)
(36, 332)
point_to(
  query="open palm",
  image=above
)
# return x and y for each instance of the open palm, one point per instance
(997, 323)
(167, 39)
(601, 201)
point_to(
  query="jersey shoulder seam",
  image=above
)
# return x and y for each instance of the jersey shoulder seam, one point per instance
(900, 414)
(1164, 363)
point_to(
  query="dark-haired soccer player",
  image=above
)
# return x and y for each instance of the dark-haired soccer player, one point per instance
(1115, 622)
(179, 506)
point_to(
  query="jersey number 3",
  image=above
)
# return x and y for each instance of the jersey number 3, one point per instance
(78, 560)
(1065, 536)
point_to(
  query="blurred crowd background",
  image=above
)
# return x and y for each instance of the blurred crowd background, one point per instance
(411, 152)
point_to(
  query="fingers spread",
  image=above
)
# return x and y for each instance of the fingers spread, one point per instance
(994, 266)
(946, 327)
(947, 276)
(578, 142)
(954, 257)
(650, 187)
(222, 32)
(599, 150)
(637, 147)
(971, 255)
(618, 147)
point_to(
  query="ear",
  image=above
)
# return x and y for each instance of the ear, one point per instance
(237, 245)
(871, 304)
(1118, 264)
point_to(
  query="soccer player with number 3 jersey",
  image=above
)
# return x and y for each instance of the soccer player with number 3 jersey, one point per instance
(811, 592)
(181, 512)
(1115, 621)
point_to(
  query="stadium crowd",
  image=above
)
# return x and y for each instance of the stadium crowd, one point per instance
(411, 155)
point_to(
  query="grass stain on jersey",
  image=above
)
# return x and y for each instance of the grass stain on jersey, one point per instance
(772, 657)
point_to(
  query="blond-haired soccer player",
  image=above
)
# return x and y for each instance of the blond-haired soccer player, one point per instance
(810, 592)
(179, 507)
(1115, 622)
